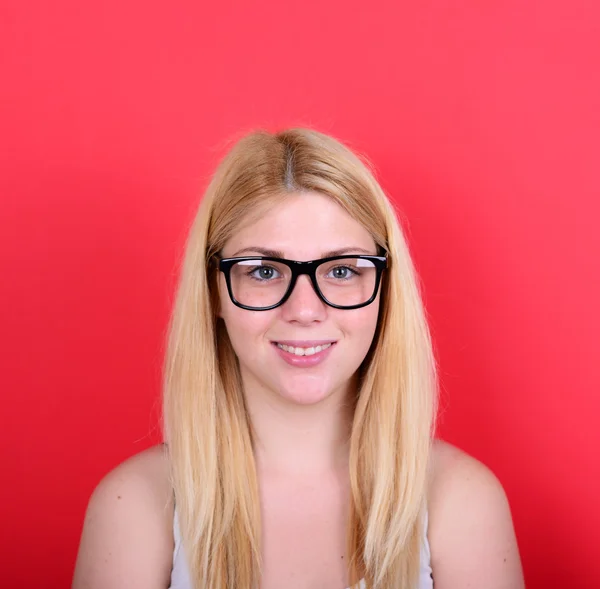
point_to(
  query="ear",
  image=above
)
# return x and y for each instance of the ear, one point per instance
(216, 296)
(218, 313)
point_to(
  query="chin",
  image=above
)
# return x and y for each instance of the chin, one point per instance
(304, 398)
(305, 393)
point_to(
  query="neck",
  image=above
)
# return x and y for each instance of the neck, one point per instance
(301, 440)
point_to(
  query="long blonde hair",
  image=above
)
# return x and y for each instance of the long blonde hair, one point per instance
(207, 428)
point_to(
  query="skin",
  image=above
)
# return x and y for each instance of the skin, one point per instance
(302, 420)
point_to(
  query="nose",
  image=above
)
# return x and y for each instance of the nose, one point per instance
(304, 304)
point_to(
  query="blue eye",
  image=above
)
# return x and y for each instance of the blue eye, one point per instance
(263, 273)
(343, 272)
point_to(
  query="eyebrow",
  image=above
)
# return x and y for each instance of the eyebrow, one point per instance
(279, 254)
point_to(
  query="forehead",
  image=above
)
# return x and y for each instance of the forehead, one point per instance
(301, 226)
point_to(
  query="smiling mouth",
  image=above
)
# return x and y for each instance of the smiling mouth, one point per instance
(304, 350)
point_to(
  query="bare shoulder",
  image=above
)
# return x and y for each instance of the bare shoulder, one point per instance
(471, 533)
(127, 538)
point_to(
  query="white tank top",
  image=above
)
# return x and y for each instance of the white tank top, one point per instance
(180, 575)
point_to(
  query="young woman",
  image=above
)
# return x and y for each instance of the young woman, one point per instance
(299, 404)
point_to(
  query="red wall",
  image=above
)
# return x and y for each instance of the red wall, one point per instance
(483, 119)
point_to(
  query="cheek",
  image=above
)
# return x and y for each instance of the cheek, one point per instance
(365, 327)
(246, 329)
(365, 323)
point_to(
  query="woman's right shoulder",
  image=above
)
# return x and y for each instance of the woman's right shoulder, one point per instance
(127, 537)
(149, 467)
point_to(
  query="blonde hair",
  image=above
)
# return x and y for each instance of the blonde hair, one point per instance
(206, 424)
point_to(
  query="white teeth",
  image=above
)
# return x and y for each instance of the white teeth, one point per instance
(303, 351)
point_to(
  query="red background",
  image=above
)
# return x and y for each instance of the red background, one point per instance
(483, 120)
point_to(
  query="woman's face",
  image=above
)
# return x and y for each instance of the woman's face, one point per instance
(303, 227)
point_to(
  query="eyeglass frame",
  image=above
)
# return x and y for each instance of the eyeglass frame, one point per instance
(298, 269)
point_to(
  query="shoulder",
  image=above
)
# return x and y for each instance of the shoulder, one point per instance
(127, 538)
(471, 533)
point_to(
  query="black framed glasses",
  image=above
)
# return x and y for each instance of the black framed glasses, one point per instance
(260, 283)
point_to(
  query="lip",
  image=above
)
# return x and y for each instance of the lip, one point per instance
(304, 361)
(304, 343)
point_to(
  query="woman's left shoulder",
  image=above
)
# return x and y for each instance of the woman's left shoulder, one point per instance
(453, 466)
(470, 532)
